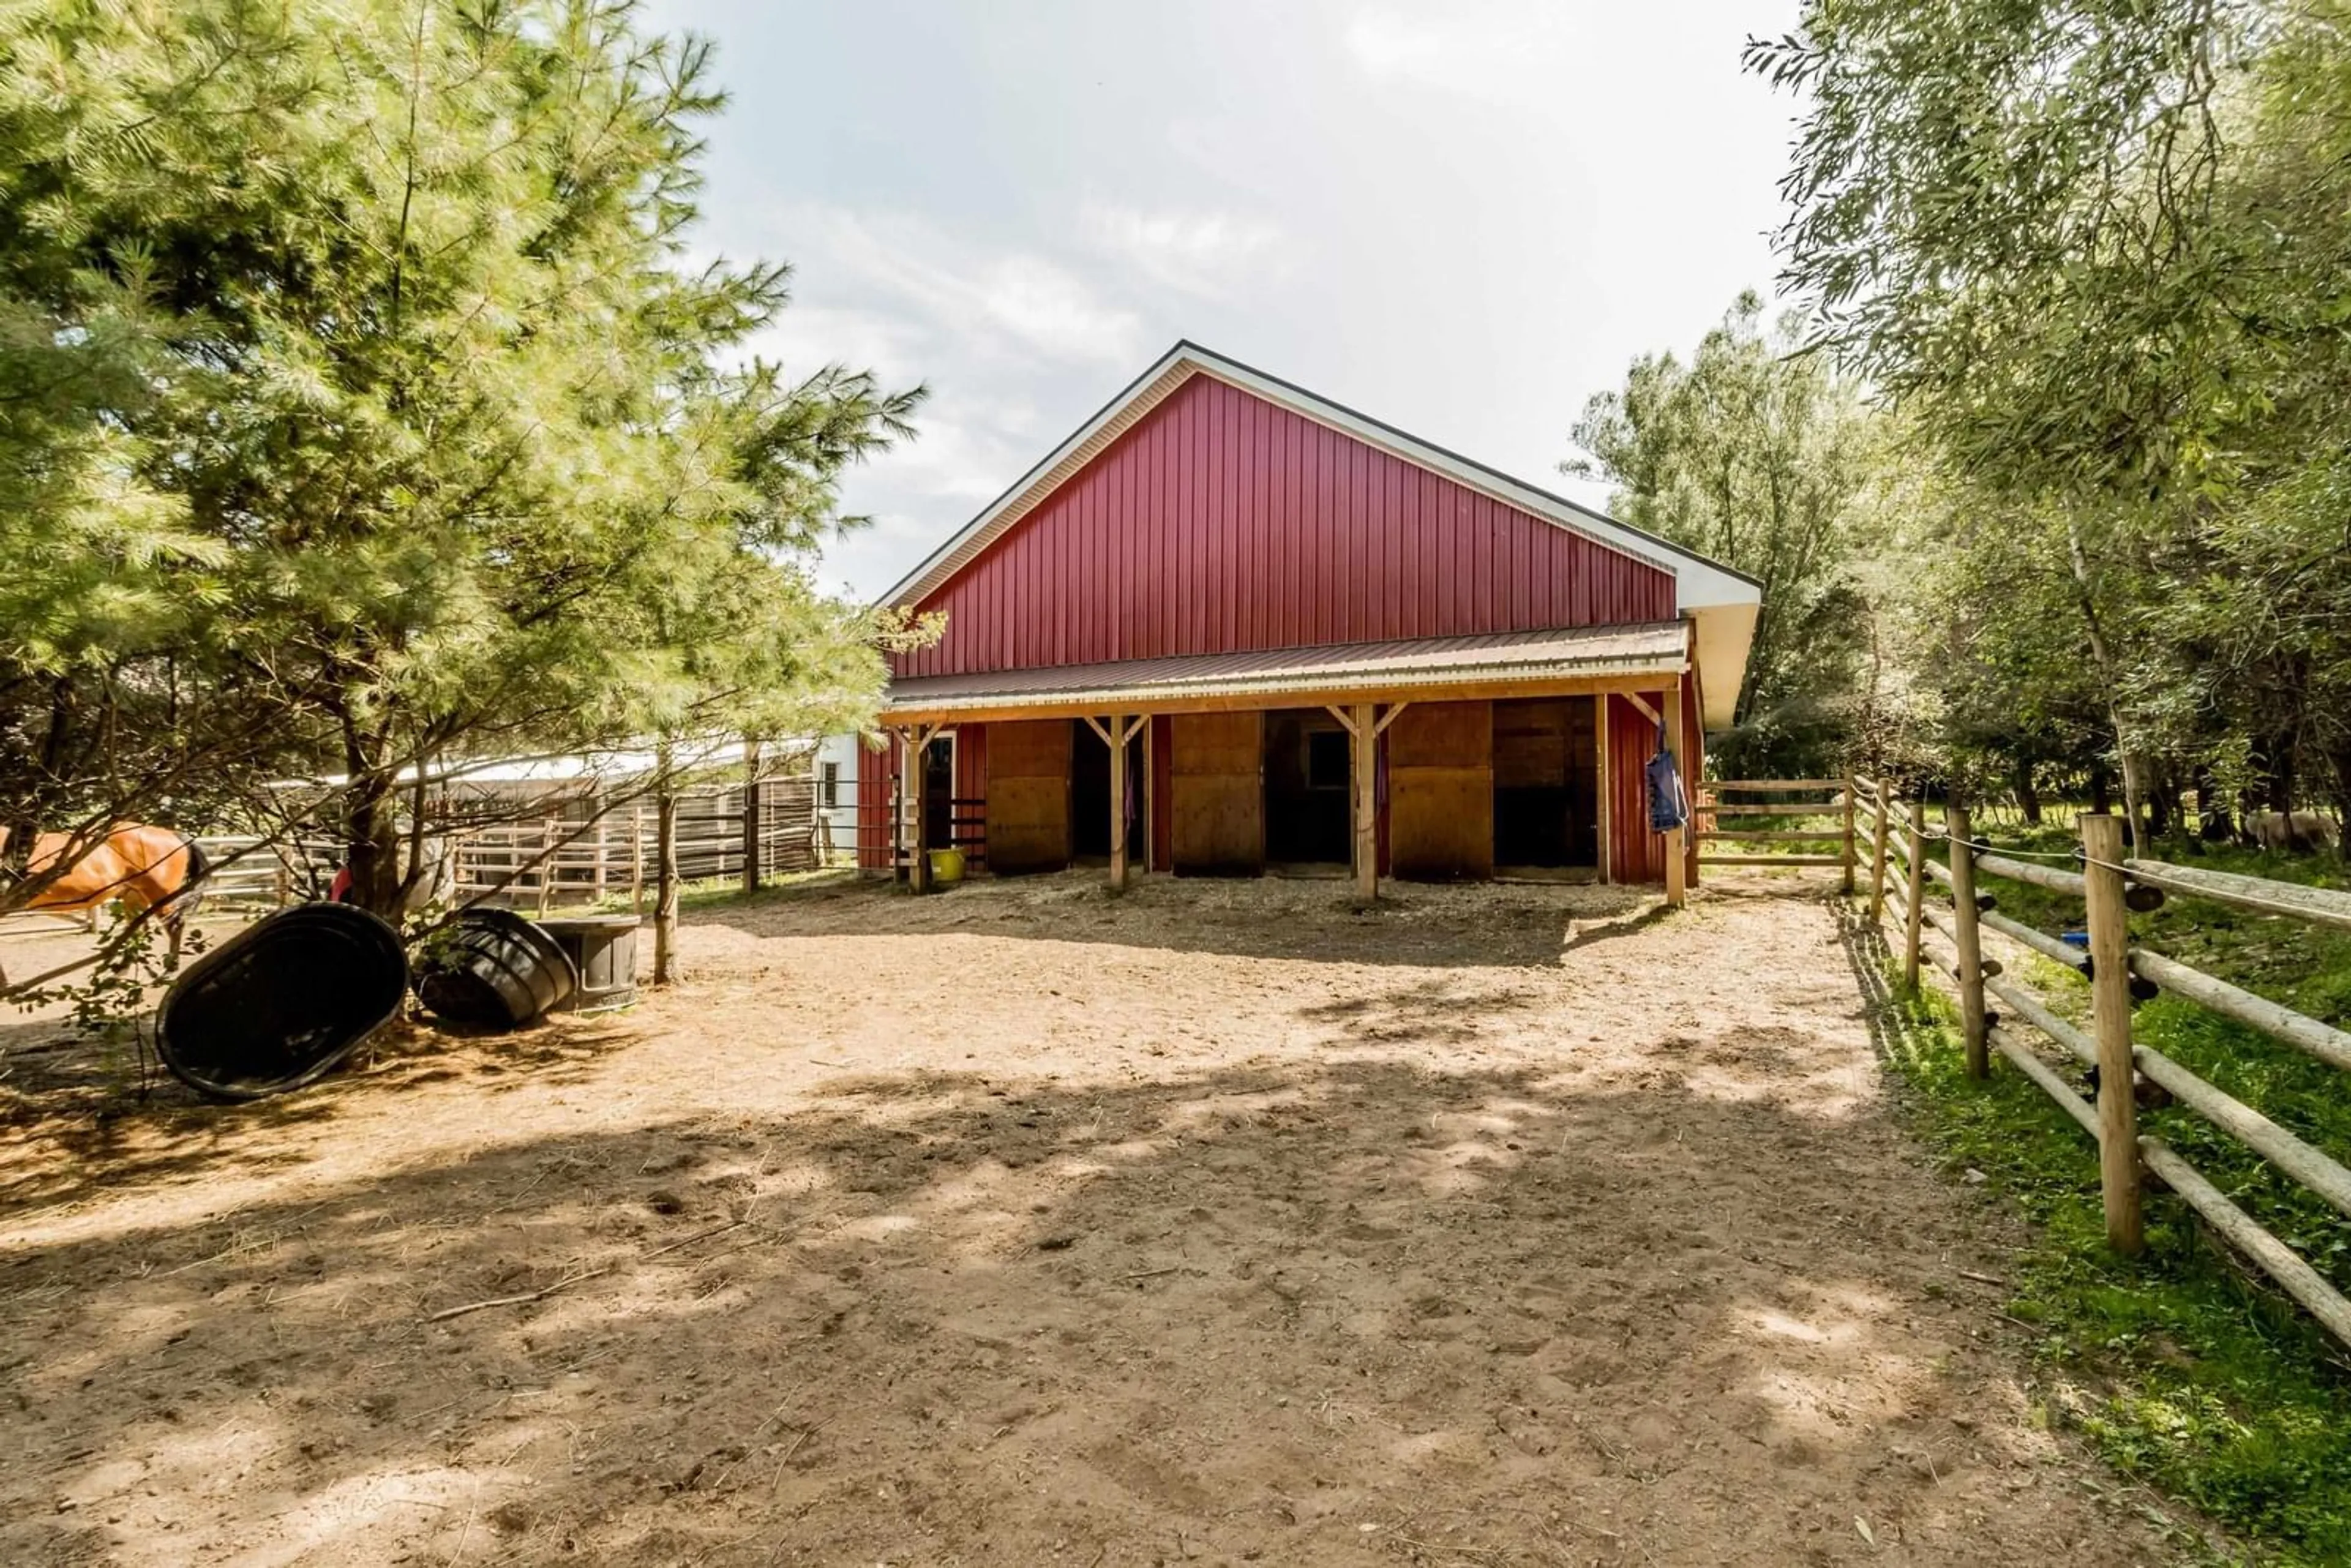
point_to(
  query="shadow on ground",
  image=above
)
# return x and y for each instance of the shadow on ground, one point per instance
(1422, 923)
(1362, 1312)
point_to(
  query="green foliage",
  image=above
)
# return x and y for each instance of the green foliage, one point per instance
(2184, 1372)
(1764, 460)
(2097, 256)
(386, 401)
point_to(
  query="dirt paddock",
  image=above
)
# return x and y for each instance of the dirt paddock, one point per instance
(1022, 1225)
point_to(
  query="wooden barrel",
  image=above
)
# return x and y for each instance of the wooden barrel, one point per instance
(604, 950)
(494, 969)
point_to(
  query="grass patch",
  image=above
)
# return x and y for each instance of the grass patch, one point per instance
(718, 892)
(2185, 1370)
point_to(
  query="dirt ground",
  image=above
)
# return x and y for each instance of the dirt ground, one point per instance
(1214, 1224)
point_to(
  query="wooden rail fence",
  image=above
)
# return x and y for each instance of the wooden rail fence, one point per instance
(2111, 884)
(1800, 802)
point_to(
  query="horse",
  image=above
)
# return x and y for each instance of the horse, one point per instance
(140, 866)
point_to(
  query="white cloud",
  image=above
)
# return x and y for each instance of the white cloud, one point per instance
(1009, 300)
(1210, 255)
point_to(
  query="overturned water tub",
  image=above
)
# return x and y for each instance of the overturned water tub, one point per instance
(491, 968)
(283, 1002)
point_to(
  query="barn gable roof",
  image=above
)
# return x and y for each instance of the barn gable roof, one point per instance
(1722, 601)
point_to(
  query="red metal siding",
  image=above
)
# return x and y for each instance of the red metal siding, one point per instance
(877, 785)
(1223, 522)
(1635, 854)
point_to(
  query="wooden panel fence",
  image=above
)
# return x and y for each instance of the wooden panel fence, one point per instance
(549, 860)
(2119, 975)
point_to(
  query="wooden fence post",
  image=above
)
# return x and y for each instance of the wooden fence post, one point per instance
(637, 858)
(2102, 877)
(1877, 856)
(1967, 938)
(750, 816)
(1849, 791)
(550, 834)
(1917, 912)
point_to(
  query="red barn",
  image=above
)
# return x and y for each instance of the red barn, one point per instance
(1230, 627)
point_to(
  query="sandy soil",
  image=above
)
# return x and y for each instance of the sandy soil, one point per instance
(1214, 1224)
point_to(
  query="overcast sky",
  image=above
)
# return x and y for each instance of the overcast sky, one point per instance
(1463, 219)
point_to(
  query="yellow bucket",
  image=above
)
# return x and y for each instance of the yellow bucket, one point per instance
(946, 867)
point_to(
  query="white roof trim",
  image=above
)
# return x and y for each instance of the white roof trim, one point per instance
(1699, 583)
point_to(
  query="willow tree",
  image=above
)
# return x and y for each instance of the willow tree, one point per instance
(436, 424)
(1766, 460)
(2098, 251)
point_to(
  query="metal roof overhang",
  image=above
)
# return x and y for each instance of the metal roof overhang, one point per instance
(1494, 664)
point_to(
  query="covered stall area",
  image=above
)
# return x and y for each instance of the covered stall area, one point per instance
(1510, 755)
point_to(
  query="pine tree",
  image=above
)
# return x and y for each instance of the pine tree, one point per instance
(403, 395)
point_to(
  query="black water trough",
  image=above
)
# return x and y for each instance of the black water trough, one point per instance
(493, 968)
(283, 1002)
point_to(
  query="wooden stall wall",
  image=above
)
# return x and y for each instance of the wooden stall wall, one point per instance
(1029, 796)
(1216, 790)
(1163, 795)
(1440, 817)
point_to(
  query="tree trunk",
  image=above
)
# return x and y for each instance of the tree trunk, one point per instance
(2102, 789)
(2110, 677)
(2028, 796)
(372, 838)
(665, 880)
(2211, 810)
(2162, 806)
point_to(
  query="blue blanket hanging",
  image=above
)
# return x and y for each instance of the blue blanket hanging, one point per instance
(1669, 803)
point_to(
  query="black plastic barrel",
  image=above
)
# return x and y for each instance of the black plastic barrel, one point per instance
(493, 968)
(283, 1002)
(603, 953)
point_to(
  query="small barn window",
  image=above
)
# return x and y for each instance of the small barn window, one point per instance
(1326, 759)
(828, 787)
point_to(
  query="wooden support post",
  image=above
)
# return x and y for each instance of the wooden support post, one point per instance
(1917, 894)
(750, 816)
(550, 834)
(1877, 857)
(1968, 939)
(1676, 865)
(918, 757)
(1849, 789)
(1117, 736)
(1367, 830)
(1152, 804)
(1600, 737)
(2102, 893)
